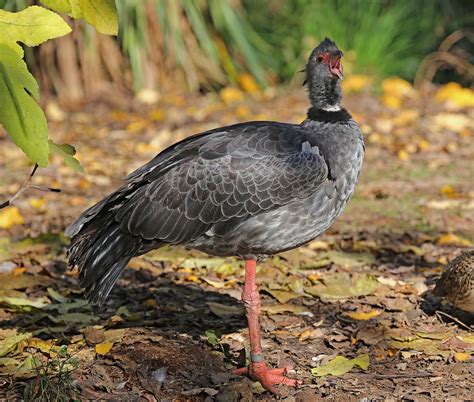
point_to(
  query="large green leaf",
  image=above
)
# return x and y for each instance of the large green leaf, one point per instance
(20, 113)
(102, 14)
(31, 26)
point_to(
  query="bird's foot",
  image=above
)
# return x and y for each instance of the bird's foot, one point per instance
(268, 377)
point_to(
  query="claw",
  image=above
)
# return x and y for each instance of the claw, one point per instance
(268, 377)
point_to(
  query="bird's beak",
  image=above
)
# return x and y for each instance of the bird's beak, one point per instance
(335, 65)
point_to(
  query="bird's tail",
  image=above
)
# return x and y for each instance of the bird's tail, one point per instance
(102, 251)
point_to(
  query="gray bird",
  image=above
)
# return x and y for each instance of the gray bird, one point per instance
(456, 284)
(251, 190)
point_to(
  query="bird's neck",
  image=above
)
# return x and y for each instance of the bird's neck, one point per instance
(326, 95)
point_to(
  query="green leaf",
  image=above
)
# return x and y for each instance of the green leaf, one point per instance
(8, 344)
(212, 337)
(341, 285)
(102, 15)
(32, 26)
(21, 302)
(340, 365)
(66, 151)
(61, 6)
(20, 113)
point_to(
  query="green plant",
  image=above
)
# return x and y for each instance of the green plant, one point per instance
(20, 113)
(380, 37)
(208, 42)
(54, 381)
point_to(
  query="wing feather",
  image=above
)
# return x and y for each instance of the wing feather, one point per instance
(222, 180)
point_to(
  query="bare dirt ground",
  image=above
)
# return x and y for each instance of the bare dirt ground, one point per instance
(173, 328)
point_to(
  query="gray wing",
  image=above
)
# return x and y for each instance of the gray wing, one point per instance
(251, 171)
(214, 177)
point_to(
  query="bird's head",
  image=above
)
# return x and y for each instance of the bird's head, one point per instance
(325, 61)
(323, 73)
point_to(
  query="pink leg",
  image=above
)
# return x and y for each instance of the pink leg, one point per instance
(257, 369)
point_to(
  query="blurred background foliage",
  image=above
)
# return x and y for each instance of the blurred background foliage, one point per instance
(199, 45)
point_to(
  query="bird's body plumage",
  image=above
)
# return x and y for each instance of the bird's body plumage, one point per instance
(251, 190)
(456, 284)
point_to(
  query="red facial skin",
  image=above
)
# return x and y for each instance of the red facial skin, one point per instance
(334, 63)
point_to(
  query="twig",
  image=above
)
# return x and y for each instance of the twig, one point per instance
(438, 313)
(27, 186)
(407, 375)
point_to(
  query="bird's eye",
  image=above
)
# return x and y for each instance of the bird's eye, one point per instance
(319, 59)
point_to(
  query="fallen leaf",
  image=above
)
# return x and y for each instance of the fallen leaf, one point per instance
(9, 343)
(403, 155)
(22, 302)
(231, 95)
(12, 281)
(363, 315)
(37, 203)
(94, 335)
(248, 84)
(342, 286)
(396, 87)
(454, 240)
(103, 348)
(10, 217)
(455, 94)
(348, 260)
(223, 310)
(341, 365)
(462, 356)
(356, 83)
(283, 296)
(286, 308)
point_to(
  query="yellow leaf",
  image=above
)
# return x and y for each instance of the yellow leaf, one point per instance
(393, 102)
(363, 316)
(103, 348)
(462, 356)
(306, 335)
(424, 145)
(356, 83)
(449, 191)
(10, 217)
(231, 95)
(406, 117)
(318, 245)
(403, 155)
(157, 115)
(456, 95)
(37, 203)
(396, 87)
(192, 278)
(137, 125)
(242, 112)
(248, 84)
(455, 240)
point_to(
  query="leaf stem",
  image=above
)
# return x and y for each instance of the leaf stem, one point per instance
(27, 186)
